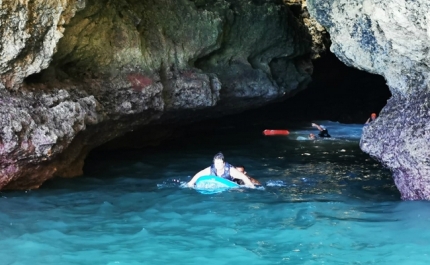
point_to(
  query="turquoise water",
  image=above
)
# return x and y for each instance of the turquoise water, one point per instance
(323, 202)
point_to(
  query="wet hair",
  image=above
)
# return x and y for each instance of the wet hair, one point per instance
(219, 155)
(240, 166)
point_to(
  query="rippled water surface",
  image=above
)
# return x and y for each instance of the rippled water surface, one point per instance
(323, 202)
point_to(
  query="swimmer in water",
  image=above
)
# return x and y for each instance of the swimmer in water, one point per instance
(221, 169)
(323, 131)
(253, 180)
(372, 118)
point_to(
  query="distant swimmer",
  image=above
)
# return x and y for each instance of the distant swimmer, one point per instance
(323, 131)
(253, 180)
(221, 169)
(311, 136)
(372, 118)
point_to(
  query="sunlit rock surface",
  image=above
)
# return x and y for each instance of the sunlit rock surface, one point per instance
(320, 39)
(390, 38)
(76, 74)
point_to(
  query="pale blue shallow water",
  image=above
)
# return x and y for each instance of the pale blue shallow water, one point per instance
(323, 202)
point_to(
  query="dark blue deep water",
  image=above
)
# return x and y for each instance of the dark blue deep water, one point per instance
(323, 202)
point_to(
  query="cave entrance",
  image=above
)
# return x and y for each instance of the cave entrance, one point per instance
(338, 93)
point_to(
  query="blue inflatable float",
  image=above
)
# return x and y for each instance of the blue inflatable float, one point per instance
(213, 184)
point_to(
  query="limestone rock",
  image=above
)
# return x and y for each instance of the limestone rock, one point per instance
(29, 34)
(389, 38)
(320, 38)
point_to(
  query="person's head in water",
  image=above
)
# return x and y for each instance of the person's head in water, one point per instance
(241, 169)
(312, 136)
(372, 118)
(219, 161)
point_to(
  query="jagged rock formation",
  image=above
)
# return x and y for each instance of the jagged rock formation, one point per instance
(76, 74)
(390, 38)
(320, 38)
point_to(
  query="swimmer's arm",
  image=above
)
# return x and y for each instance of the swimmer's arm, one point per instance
(317, 126)
(254, 181)
(204, 172)
(239, 175)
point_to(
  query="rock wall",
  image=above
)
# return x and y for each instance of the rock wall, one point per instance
(389, 38)
(320, 38)
(29, 34)
(76, 74)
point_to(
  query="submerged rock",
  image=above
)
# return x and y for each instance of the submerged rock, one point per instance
(389, 38)
(76, 74)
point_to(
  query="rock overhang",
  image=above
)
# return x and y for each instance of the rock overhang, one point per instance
(98, 69)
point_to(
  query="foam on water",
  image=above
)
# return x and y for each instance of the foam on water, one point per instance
(323, 202)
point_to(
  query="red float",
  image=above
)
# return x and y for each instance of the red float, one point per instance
(276, 132)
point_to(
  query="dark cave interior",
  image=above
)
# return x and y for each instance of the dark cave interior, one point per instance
(337, 93)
